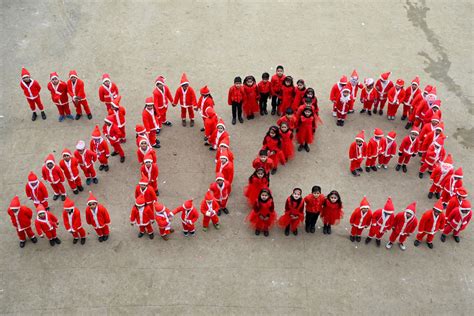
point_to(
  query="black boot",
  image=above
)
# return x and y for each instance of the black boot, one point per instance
(408, 126)
(57, 240)
(43, 115)
(443, 238)
(257, 232)
(354, 173)
(416, 243)
(420, 175)
(362, 111)
(306, 147)
(106, 168)
(377, 242)
(430, 245)
(75, 240)
(151, 236)
(22, 244)
(300, 147)
(352, 238)
(367, 169)
(404, 168)
(140, 234)
(34, 116)
(398, 167)
(457, 239)
(325, 229)
(80, 188)
(329, 230)
(358, 238)
(295, 232)
(52, 243)
(367, 240)
(34, 240)
(287, 230)
(369, 112)
(83, 241)
(430, 195)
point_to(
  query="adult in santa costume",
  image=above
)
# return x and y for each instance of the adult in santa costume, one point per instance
(360, 219)
(313, 205)
(161, 98)
(210, 124)
(150, 170)
(218, 135)
(435, 153)
(186, 98)
(383, 86)
(306, 127)
(209, 209)
(163, 218)
(20, 217)
(114, 136)
(451, 185)
(441, 173)
(388, 151)
(143, 216)
(36, 191)
(226, 167)
(59, 96)
(31, 89)
(263, 215)
(342, 105)
(250, 100)
(151, 122)
(395, 96)
(143, 149)
(375, 148)
(108, 91)
(98, 217)
(235, 98)
(431, 222)
(144, 188)
(53, 174)
(101, 149)
(46, 224)
(294, 212)
(411, 92)
(221, 191)
(457, 221)
(404, 225)
(75, 88)
(354, 85)
(72, 222)
(70, 168)
(456, 201)
(408, 148)
(357, 153)
(368, 96)
(382, 221)
(276, 83)
(205, 102)
(336, 92)
(118, 112)
(86, 159)
(189, 216)
(257, 181)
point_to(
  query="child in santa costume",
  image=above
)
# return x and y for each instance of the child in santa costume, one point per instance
(235, 98)
(20, 217)
(108, 91)
(53, 174)
(144, 149)
(383, 86)
(306, 127)
(250, 100)
(313, 206)
(221, 191)
(357, 154)
(140, 132)
(46, 224)
(75, 88)
(210, 124)
(368, 96)
(375, 148)
(331, 211)
(150, 169)
(389, 150)
(114, 135)
(382, 221)
(360, 219)
(430, 138)
(418, 100)
(163, 217)
(257, 181)
(431, 222)
(144, 188)
(264, 92)
(342, 105)
(287, 95)
(411, 92)
(287, 145)
(36, 191)
(457, 221)
(435, 153)
(59, 96)
(424, 106)
(428, 128)
(336, 92)
(98, 217)
(395, 97)
(186, 98)
(218, 135)
(451, 185)
(151, 122)
(118, 112)
(276, 84)
(209, 209)
(70, 168)
(189, 216)
(272, 143)
(404, 225)
(408, 148)
(31, 89)
(354, 85)
(294, 212)
(263, 215)
(86, 159)
(456, 201)
(143, 216)
(205, 102)
(441, 173)
(434, 110)
(161, 98)
(72, 221)
(226, 167)
(224, 149)
(300, 92)
(101, 148)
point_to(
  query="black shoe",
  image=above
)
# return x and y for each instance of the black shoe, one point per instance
(342, 123)
(151, 236)
(306, 147)
(266, 113)
(157, 192)
(55, 197)
(185, 234)
(287, 231)
(89, 116)
(374, 168)
(367, 169)
(168, 123)
(416, 243)
(101, 167)
(34, 116)
(274, 170)
(75, 240)
(329, 230)
(443, 238)
(257, 232)
(430, 245)
(52, 243)
(306, 229)
(114, 153)
(78, 116)
(101, 238)
(380, 112)
(420, 175)
(437, 195)
(105, 237)
(265, 233)
(369, 113)
(22, 244)
(192, 233)
(358, 238)
(80, 188)
(300, 147)
(83, 241)
(398, 167)
(362, 111)
(352, 238)
(43, 115)
(325, 230)
(191, 123)
(106, 168)
(156, 146)
(367, 240)
(377, 242)
(430, 195)
(403, 118)
(295, 232)
(212, 149)
(122, 159)
(338, 123)
(262, 113)
(183, 123)
(360, 170)
(95, 180)
(420, 154)
(225, 210)
(63, 197)
(354, 173)
(457, 239)
(219, 212)
(408, 126)
(234, 121)
(312, 230)
(34, 240)
(57, 240)
(404, 168)
(273, 112)
(241, 120)
(249, 117)
(202, 129)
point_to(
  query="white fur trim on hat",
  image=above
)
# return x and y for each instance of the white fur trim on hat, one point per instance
(81, 145)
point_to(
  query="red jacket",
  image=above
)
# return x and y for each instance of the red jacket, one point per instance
(162, 98)
(429, 224)
(441, 174)
(70, 170)
(409, 146)
(395, 96)
(209, 209)
(185, 98)
(335, 94)
(210, 123)
(367, 97)
(31, 90)
(427, 129)
(235, 95)
(276, 84)
(21, 220)
(343, 107)
(142, 216)
(151, 173)
(360, 220)
(72, 222)
(119, 115)
(38, 194)
(217, 137)
(188, 217)
(410, 95)
(382, 224)
(355, 89)
(99, 218)
(429, 140)
(221, 193)
(87, 159)
(45, 225)
(264, 87)
(451, 185)
(204, 103)
(222, 151)
(163, 219)
(432, 156)
(401, 226)
(383, 91)
(112, 133)
(148, 194)
(107, 94)
(374, 148)
(292, 121)
(267, 165)
(58, 93)
(453, 203)
(101, 148)
(141, 154)
(227, 170)
(457, 221)
(151, 120)
(356, 152)
(390, 148)
(312, 204)
(77, 89)
(53, 175)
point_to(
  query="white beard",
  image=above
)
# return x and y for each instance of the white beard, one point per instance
(345, 99)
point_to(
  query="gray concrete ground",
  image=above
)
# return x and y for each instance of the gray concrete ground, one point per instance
(232, 271)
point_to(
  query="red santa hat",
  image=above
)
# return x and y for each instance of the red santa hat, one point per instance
(140, 200)
(462, 192)
(224, 156)
(40, 209)
(188, 204)
(24, 73)
(105, 77)
(139, 129)
(142, 140)
(204, 90)
(415, 130)
(389, 206)
(411, 208)
(433, 91)
(378, 132)
(369, 81)
(53, 75)
(440, 126)
(144, 180)
(159, 208)
(355, 74)
(96, 132)
(147, 158)
(49, 158)
(346, 88)
(68, 203)
(160, 79)
(458, 173)
(439, 205)
(400, 82)
(436, 103)
(465, 205)
(385, 75)
(110, 119)
(435, 117)
(149, 101)
(73, 73)
(343, 80)
(116, 102)
(209, 196)
(221, 123)
(440, 141)
(92, 198)
(224, 143)
(416, 81)
(364, 203)
(391, 135)
(32, 177)
(219, 176)
(361, 135)
(81, 145)
(448, 159)
(15, 203)
(184, 79)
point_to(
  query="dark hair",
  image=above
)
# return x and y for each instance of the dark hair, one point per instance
(279, 67)
(265, 190)
(290, 79)
(300, 81)
(237, 80)
(249, 77)
(289, 111)
(315, 189)
(309, 90)
(334, 192)
(277, 134)
(254, 174)
(265, 76)
(263, 152)
(308, 100)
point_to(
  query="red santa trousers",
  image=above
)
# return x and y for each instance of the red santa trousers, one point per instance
(26, 232)
(188, 228)
(104, 231)
(355, 164)
(435, 189)
(148, 228)
(164, 231)
(58, 188)
(50, 234)
(392, 109)
(162, 113)
(190, 112)
(406, 110)
(152, 137)
(421, 235)
(370, 162)
(45, 204)
(103, 159)
(404, 159)
(73, 184)
(356, 231)
(384, 160)
(118, 148)
(394, 236)
(206, 219)
(223, 203)
(89, 172)
(35, 102)
(80, 233)
(368, 105)
(380, 103)
(375, 232)
(424, 166)
(64, 109)
(448, 229)
(80, 104)
(341, 116)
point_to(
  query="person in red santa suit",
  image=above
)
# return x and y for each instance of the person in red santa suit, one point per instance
(217, 136)
(382, 221)
(221, 191)
(140, 132)
(434, 109)
(336, 92)
(441, 173)
(368, 96)
(262, 161)
(457, 221)
(161, 98)
(75, 88)
(143, 149)
(101, 149)
(408, 148)
(431, 222)
(189, 216)
(163, 218)
(456, 201)
(360, 219)
(395, 97)
(143, 216)
(70, 168)
(451, 185)
(404, 225)
(306, 127)
(435, 153)
(98, 217)
(86, 159)
(36, 191)
(388, 151)
(342, 105)
(118, 112)
(300, 92)
(263, 215)
(224, 149)
(210, 124)
(357, 154)
(59, 96)
(53, 174)
(354, 85)
(424, 107)
(20, 216)
(250, 100)
(31, 89)
(72, 222)
(144, 188)
(411, 92)
(204, 103)
(108, 91)
(375, 148)
(430, 138)
(46, 225)
(428, 128)
(294, 212)
(209, 209)
(114, 135)
(151, 122)
(226, 167)
(151, 171)
(186, 98)
(257, 181)
(418, 101)
(383, 86)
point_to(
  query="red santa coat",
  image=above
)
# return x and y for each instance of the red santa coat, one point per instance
(30, 90)
(72, 222)
(427, 129)
(376, 148)
(382, 223)
(395, 98)
(457, 221)
(306, 129)
(335, 94)
(87, 159)
(161, 99)
(209, 209)
(343, 107)
(226, 169)
(21, 220)
(185, 98)
(441, 173)
(361, 220)
(108, 94)
(429, 140)
(217, 137)
(59, 94)
(119, 116)
(98, 218)
(148, 194)
(53, 175)
(453, 203)
(402, 226)
(224, 151)
(354, 88)
(429, 115)
(151, 173)
(50, 222)
(163, 219)
(37, 194)
(276, 84)
(113, 133)
(151, 120)
(205, 102)
(188, 216)
(383, 90)
(431, 224)
(251, 97)
(409, 146)
(142, 216)
(390, 148)
(141, 154)
(76, 89)
(221, 193)
(210, 123)
(434, 155)
(451, 185)
(100, 147)
(70, 169)
(411, 95)
(357, 152)
(368, 97)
